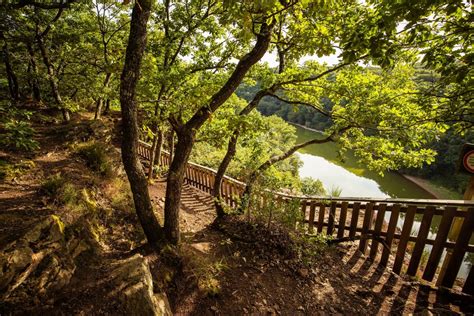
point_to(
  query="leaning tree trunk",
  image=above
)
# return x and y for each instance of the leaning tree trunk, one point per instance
(34, 79)
(100, 100)
(232, 149)
(175, 183)
(128, 82)
(11, 77)
(186, 132)
(171, 144)
(52, 79)
(156, 147)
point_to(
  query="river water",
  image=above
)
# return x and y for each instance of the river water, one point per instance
(321, 161)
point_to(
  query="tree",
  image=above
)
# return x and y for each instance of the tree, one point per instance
(131, 69)
(377, 116)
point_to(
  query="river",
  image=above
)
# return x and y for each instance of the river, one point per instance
(321, 161)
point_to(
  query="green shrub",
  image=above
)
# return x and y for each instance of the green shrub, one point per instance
(312, 187)
(59, 190)
(19, 135)
(96, 158)
(9, 170)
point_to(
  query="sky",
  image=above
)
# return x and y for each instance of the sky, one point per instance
(331, 60)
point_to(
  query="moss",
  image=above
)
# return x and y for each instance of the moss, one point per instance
(59, 222)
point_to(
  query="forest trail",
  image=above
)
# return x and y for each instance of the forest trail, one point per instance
(253, 278)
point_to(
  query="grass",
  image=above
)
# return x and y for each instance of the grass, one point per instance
(96, 158)
(59, 190)
(9, 171)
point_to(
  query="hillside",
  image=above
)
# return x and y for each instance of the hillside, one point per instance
(84, 252)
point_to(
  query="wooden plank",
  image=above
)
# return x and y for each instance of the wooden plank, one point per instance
(438, 246)
(191, 173)
(331, 219)
(369, 212)
(312, 211)
(304, 204)
(468, 286)
(342, 220)
(322, 210)
(421, 241)
(459, 250)
(224, 191)
(377, 229)
(403, 243)
(200, 179)
(207, 180)
(233, 201)
(392, 225)
(354, 219)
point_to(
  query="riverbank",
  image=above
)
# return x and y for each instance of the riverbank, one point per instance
(306, 128)
(438, 192)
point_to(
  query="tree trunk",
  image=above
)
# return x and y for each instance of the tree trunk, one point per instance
(34, 80)
(171, 144)
(107, 107)
(231, 149)
(100, 101)
(11, 77)
(52, 79)
(159, 148)
(155, 150)
(175, 183)
(128, 82)
(186, 133)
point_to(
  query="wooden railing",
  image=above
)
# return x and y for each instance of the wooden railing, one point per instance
(385, 226)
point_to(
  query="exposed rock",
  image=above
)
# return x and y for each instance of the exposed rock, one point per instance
(133, 284)
(39, 263)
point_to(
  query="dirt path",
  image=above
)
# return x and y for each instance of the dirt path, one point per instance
(254, 279)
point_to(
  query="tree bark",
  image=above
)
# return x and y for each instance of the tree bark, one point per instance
(128, 82)
(232, 149)
(100, 100)
(34, 80)
(186, 133)
(155, 150)
(107, 107)
(11, 77)
(171, 144)
(52, 80)
(49, 66)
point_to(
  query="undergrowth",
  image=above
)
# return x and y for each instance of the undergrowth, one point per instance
(9, 171)
(96, 158)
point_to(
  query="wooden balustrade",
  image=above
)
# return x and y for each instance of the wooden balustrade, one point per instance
(386, 226)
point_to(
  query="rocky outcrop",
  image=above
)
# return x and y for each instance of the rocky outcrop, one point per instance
(39, 263)
(133, 285)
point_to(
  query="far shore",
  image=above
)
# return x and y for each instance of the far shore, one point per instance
(424, 184)
(307, 128)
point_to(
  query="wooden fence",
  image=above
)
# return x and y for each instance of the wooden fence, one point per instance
(442, 235)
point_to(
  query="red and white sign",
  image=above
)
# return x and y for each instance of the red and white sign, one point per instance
(468, 161)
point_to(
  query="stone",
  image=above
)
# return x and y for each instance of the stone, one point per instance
(303, 272)
(38, 262)
(132, 283)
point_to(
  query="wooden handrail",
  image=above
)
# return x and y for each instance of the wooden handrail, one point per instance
(365, 219)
